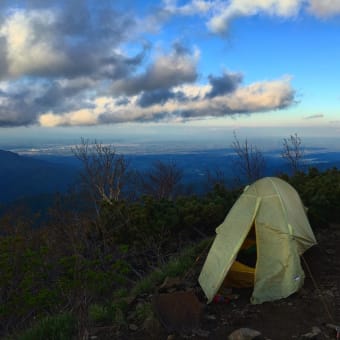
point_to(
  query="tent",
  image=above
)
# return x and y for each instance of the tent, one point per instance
(270, 215)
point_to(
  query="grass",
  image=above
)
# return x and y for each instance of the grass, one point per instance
(116, 312)
(57, 327)
(63, 326)
(178, 266)
(108, 314)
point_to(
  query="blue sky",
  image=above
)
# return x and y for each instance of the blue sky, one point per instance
(169, 69)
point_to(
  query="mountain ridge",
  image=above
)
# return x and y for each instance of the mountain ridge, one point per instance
(22, 176)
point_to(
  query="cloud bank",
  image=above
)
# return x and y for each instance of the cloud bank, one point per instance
(219, 14)
(101, 66)
(185, 102)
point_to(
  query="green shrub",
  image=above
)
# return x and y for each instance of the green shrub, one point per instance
(143, 311)
(98, 314)
(59, 327)
(178, 266)
(110, 314)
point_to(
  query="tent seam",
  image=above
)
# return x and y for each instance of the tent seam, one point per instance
(282, 205)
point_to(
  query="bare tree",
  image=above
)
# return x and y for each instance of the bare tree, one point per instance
(249, 163)
(163, 180)
(293, 152)
(216, 177)
(104, 171)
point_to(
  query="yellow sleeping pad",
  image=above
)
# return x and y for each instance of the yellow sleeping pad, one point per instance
(240, 276)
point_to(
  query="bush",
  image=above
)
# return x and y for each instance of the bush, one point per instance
(320, 192)
(59, 327)
(177, 266)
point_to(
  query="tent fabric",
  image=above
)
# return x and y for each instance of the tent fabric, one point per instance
(240, 276)
(282, 232)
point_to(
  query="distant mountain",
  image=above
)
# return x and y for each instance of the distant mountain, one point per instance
(33, 177)
(22, 176)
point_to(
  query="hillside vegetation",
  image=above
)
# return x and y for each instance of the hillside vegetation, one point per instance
(74, 272)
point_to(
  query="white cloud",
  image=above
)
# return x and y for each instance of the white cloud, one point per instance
(324, 8)
(31, 43)
(165, 72)
(219, 13)
(257, 97)
(191, 8)
(83, 117)
(75, 64)
(219, 22)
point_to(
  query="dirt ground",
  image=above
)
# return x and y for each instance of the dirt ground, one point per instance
(315, 305)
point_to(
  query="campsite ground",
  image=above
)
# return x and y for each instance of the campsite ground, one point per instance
(315, 305)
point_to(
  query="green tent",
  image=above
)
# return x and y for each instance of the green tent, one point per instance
(270, 211)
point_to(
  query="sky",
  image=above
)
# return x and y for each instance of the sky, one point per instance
(197, 69)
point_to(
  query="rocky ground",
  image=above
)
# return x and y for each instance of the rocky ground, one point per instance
(181, 314)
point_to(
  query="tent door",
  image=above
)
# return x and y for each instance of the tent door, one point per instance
(242, 272)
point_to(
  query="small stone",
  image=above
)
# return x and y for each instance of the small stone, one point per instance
(170, 282)
(171, 337)
(330, 251)
(244, 334)
(210, 317)
(133, 327)
(313, 334)
(172, 290)
(316, 330)
(202, 333)
(152, 327)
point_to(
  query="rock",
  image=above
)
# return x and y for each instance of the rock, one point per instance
(170, 282)
(202, 333)
(314, 334)
(210, 317)
(172, 290)
(330, 251)
(133, 327)
(153, 327)
(244, 334)
(180, 311)
(316, 330)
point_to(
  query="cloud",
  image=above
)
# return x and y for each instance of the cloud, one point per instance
(256, 97)
(54, 61)
(15, 108)
(316, 116)
(224, 84)
(122, 101)
(31, 45)
(219, 14)
(97, 67)
(3, 57)
(54, 42)
(166, 71)
(23, 101)
(191, 8)
(324, 8)
(159, 97)
(219, 22)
